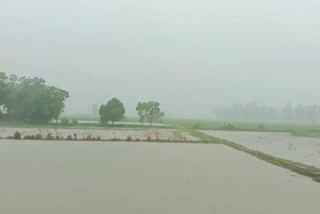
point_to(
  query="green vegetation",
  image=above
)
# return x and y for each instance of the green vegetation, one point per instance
(240, 126)
(74, 122)
(299, 168)
(254, 112)
(307, 133)
(30, 99)
(65, 121)
(149, 111)
(113, 111)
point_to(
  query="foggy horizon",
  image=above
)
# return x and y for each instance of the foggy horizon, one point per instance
(191, 56)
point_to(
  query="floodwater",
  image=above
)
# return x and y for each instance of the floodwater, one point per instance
(105, 134)
(141, 178)
(298, 149)
(122, 123)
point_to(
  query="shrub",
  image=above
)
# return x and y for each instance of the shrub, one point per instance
(17, 135)
(49, 137)
(38, 137)
(74, 122)
(228, 126)
(65, 121)
(27, 137)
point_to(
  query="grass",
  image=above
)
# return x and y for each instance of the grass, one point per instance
(19, 124)
(91, 117)
(240, 126)
(307, 133)
(299, 168)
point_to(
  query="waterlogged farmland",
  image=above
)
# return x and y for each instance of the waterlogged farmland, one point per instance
(100, 133)
(283, 145)
(119, 177)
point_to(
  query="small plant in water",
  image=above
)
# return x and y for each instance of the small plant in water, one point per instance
(38, 137)
(17, 135)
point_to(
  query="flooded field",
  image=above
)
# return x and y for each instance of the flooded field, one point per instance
(104, 177)
(299, 149)
(105, 134)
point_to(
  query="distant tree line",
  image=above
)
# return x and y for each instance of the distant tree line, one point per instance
(253, 112)
(114, 111)
(30, 99)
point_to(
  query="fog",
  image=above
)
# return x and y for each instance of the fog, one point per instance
(190, 55)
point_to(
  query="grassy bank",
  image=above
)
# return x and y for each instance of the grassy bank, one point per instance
(17, 124)
(299, 168)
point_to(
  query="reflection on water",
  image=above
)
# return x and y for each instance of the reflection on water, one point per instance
(98, 177)
(284, 145)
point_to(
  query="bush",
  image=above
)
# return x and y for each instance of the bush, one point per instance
(228, 126)
(17, 135)
(38, 137)
(129, 138)
(196, 126)
(74, 122)
(65, 121)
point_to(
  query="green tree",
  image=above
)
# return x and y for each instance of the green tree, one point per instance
(149, 111)
(65, 121)
(3, 88)
(31, 100)
(113, 111)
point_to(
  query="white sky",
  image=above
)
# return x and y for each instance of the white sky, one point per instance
(190, 55)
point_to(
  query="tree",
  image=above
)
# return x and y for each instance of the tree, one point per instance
(113, 111)
(31, 100)
(3, 88)
(149, 111)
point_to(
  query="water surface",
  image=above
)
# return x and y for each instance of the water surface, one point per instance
(298, 149)
(48, 177)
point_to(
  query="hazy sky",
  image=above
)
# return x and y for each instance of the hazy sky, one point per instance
(190, 55)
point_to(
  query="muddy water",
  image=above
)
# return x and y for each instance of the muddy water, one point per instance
(121, 133)
(103, 177)
(284, 145)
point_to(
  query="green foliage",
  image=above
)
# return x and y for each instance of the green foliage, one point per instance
(3, 88)
(113, 111)
(228, 126)
(74, 122)
(149, 111)
(196, 126)
(30, 99)
(65, 121)
(17, 135)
